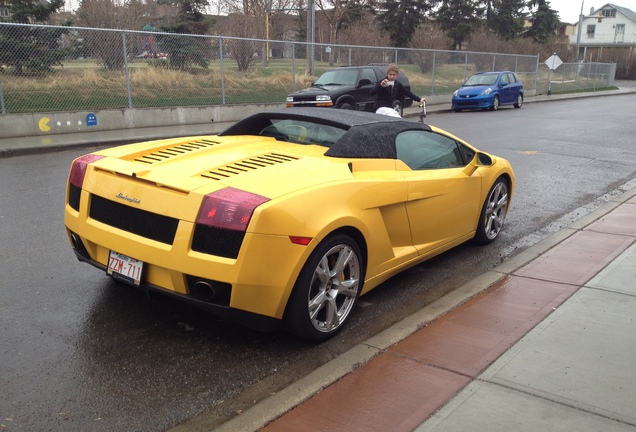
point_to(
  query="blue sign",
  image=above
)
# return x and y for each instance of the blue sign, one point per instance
(91, 119)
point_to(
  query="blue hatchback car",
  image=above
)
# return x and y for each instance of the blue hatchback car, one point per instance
(489, 90)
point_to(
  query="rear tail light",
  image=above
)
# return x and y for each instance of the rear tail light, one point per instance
(229, 208)
(78, 169)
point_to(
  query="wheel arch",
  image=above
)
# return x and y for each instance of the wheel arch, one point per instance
(346, 98)
(358, 237)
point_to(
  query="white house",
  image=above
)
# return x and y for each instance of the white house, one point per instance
(610, 26)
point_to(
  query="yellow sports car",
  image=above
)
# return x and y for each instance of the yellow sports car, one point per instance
(286, 217)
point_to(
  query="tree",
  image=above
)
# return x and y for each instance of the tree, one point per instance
(247, 19)
(428, 36)
(364, 32)
(506, 17)
(402, 17)
(30, 50)
(111, 14)
(459, 18)
(337, 12)
(184, 51)
(245, 49)
(545, 21)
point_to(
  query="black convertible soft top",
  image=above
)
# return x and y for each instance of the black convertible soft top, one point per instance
(368, 136)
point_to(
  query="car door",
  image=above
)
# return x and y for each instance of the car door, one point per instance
(515, 86)
(508, 91)
(362, 94)
(443, 198)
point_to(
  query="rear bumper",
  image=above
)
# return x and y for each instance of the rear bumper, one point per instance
(252, 320)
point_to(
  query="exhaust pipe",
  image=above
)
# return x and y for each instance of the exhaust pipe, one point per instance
(204, 290)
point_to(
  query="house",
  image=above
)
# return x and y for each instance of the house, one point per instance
(611, 26)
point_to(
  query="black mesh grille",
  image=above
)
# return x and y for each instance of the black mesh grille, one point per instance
(140, 222)
(217, 241)
(74, 194)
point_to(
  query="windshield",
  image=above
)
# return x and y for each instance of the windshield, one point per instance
(338, 77)
(482, 79)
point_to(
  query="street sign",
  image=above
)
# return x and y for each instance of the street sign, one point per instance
(553, 62)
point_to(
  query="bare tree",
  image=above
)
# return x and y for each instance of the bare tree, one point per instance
(255, 19)
(365, 32)
(429, 36)
(112, 14)
(336, 12)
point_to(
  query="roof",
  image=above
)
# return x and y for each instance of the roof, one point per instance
(627, 12)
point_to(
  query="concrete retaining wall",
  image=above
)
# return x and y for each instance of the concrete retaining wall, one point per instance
(42, 124)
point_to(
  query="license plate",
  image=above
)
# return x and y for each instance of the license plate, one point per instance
(125, 268)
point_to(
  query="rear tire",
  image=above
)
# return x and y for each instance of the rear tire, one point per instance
(519, 101)
(326, 290)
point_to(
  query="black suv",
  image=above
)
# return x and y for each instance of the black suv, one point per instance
(346, 88)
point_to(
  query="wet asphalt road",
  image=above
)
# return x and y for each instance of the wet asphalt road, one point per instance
(80, 353)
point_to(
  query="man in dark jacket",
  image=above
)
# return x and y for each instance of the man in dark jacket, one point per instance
(389, 90)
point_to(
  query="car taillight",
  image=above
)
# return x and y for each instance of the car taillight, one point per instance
(78, 169)
(229, 208)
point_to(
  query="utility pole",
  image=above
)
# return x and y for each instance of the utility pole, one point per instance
(311, 26)
(578, 35)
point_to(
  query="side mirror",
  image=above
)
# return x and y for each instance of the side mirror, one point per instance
(364, 81)
(503, 84)
(483, 159)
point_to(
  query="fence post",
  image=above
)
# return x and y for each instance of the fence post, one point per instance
(465, 66)
(293, 67)
(433, 75)
(4, 111)
(123, 34)
(536, 75)
(494, 61)
(221, 66)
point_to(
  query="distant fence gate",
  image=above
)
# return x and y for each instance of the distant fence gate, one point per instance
(101, 69)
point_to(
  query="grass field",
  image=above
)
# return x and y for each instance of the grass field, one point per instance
(81, 85)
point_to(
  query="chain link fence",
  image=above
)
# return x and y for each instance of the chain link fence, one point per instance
(54, 69)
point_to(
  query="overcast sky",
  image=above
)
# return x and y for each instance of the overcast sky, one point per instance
(569, 10)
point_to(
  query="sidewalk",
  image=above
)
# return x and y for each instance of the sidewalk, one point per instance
(546, 341)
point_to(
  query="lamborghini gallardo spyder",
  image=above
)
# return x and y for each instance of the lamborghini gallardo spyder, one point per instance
(285, 218)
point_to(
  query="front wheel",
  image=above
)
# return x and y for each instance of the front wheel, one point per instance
(346, 106)
(326, 290)
(495, 103)
(493, 213)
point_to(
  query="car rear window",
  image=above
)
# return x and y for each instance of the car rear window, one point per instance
(303, 132)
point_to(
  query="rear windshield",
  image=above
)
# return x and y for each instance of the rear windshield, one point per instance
(302, 132)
